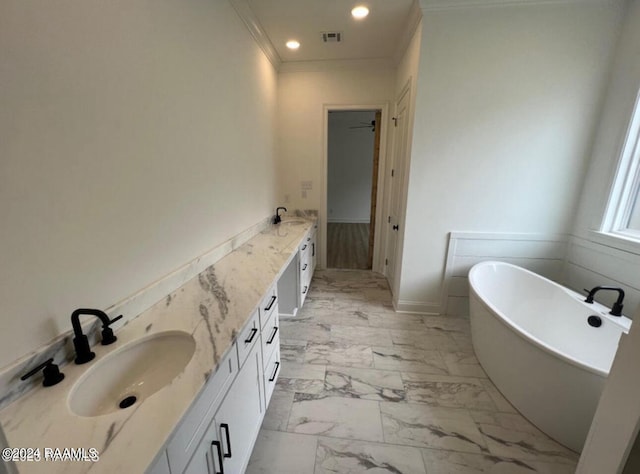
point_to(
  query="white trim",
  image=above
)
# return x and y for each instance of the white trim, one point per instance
(250, 20)
(335, 64)
(443, 5)
(417, 307)
(543, 237)
(411, 25)
(625, 180)
(383, 106)
(615, 241)
(348, 221)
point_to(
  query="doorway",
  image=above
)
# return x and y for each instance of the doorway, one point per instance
(353, 156)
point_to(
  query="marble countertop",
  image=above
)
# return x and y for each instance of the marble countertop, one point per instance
(213, 307)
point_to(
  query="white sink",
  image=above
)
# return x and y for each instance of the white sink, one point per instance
(132, 373)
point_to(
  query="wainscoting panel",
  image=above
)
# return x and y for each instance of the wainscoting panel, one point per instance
(591, 264)
(541, 253)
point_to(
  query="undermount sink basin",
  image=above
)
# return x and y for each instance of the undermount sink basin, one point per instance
(131, 373)
(294, 222)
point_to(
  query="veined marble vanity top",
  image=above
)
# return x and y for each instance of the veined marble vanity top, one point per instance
(212, 307)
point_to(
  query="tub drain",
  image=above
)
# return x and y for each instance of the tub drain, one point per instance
(128, 401)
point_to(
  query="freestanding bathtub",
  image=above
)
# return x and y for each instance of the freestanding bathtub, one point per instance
(532, 338)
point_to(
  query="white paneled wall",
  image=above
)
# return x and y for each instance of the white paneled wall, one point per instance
(540, 253)
(590, 264)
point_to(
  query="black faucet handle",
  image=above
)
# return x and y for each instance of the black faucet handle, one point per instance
(107, 333)
(51, 372)
(589, 298)
(616, 309)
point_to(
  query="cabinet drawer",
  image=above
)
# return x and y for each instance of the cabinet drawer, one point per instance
(270, 338)
(268, 306)
(193, 425)
(271, 373)
(248, 337)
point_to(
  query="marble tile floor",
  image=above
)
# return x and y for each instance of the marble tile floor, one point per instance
(365, 389)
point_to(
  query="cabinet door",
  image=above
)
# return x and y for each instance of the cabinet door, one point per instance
(239, 417)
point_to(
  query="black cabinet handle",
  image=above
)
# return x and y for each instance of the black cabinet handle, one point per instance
(270, 305)
(225, 427)
(273, 336)
(219, 449)
(248, 340)
(305, 290)
(304, 246)
(313, 249)
(396, 227)
(305, 267)
(308, 239)
(273, 377)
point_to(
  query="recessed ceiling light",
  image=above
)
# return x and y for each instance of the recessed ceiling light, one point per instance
(359, 12)
(293, 44)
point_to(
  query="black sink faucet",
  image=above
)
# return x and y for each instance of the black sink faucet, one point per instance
(81, 342)
(277, 218)
(616, 309)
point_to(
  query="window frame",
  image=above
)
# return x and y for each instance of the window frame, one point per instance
(625, 188)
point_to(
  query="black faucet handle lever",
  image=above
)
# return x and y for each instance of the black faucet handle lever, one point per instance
(107, 333)
(51, 372)
(113, 320)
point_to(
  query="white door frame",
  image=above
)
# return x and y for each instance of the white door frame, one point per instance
(378, 251)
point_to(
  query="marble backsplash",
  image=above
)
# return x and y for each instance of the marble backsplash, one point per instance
(61, 348)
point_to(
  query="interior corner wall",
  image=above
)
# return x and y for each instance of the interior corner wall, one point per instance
(591, 260)
(134, 137)
(507, 101)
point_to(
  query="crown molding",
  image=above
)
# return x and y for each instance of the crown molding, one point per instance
(411, 24)
(442, 5)
(336, 64)
(249, 18)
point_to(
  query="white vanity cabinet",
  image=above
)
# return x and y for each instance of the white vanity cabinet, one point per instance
(307, 260)
(218, 432)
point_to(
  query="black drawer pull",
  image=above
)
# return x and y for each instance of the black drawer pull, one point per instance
(225, 427)
(304, 247)
(219, 449)
(273, 336)
(308, 239)
(305, 267)
(313, 249)
(305, 289)
(270, 305)
(248, 340)
(273, 377)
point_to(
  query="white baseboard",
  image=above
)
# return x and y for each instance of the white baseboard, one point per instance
(417, 307)
(348, 221)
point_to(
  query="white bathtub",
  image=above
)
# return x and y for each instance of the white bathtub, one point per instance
(532, 338)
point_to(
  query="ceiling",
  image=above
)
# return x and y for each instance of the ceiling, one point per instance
(374, 37)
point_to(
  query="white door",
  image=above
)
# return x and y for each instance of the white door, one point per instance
(400, 139)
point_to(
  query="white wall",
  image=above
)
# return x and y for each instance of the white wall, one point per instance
(507, 101)
(594, 259)
(303, 92)
(134, 136)
(350, 166)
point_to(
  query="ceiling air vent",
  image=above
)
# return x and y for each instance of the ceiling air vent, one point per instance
(332, 36)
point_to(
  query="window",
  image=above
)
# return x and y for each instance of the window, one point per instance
(622, 217)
